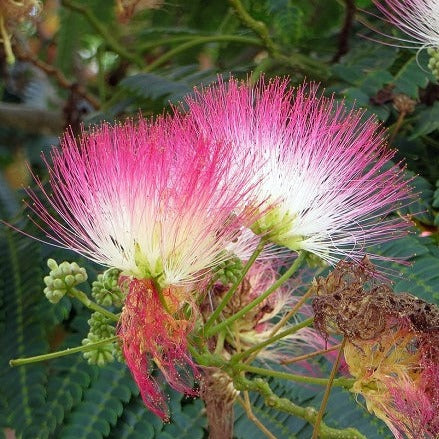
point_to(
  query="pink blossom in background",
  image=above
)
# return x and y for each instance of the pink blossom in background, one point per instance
(325, 167)
(398, 375)
(419, 19)
(146, 199)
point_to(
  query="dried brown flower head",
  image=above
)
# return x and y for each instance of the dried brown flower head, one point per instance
(352, 301)
(392, 346)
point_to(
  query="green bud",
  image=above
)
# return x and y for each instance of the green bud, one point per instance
(117, 352)
(101, 326)
(62, 278)
(230, 270)
(70, 280)
(277, 226)
(58, 283)
(433, 63)
(100, 356)
(51, 263)
(105, 289)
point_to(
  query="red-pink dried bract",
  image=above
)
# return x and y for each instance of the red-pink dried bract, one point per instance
(152, 334)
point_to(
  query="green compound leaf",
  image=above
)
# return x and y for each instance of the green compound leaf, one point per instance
(186, 423)
(69, 376)
(420, 209)
(137, 422)
(169, 86)
(436, 196)
(411, 77)
(436, 204)
(23, 333)
(187, 420)
(426, 121)
(101, 405)
(421, 278)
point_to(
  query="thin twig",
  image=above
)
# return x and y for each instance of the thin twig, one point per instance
(68, 351)
(343, 39)
(338, 382)
(258, 347)
(310, 355)
(294, 267)
(256, 26)
(307, 413)
(397, 126)
(105, 32)
(57, 75)
(198, 41)
(293, 311)
(31, 119)
(319, 417)
(246, 404)
(226, 299)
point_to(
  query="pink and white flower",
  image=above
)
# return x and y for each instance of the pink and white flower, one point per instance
(146, 199)
(325, 168)
(419, 19)
(162, 206)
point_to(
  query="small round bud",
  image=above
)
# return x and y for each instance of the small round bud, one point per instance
(48, 280)
(58, 283)
(105, 289)
(229, 271)
(101, 326)
(100, 356)
(70, 280)
(62, 278)
(433, 62)
(51, 263)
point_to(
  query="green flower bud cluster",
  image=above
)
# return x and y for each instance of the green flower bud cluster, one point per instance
(62, 278)
(229, 271)
(433, 63)
(117, 352)
(100, 325)
(105, 289)
(100, 356)
(100, 329)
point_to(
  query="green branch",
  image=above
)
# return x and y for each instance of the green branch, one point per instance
(297, 263)
(215, 360)
(68, 351)
(112, 43)
(256, 26)
(256, 348)
(197, 41)
(200, 39)
(82, 297)
(338, 382)
(307, 413)
(234, 287)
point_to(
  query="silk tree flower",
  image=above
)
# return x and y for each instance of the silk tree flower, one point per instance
(146, 199)
(325, 168)
(161, 207)
(419, 19)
